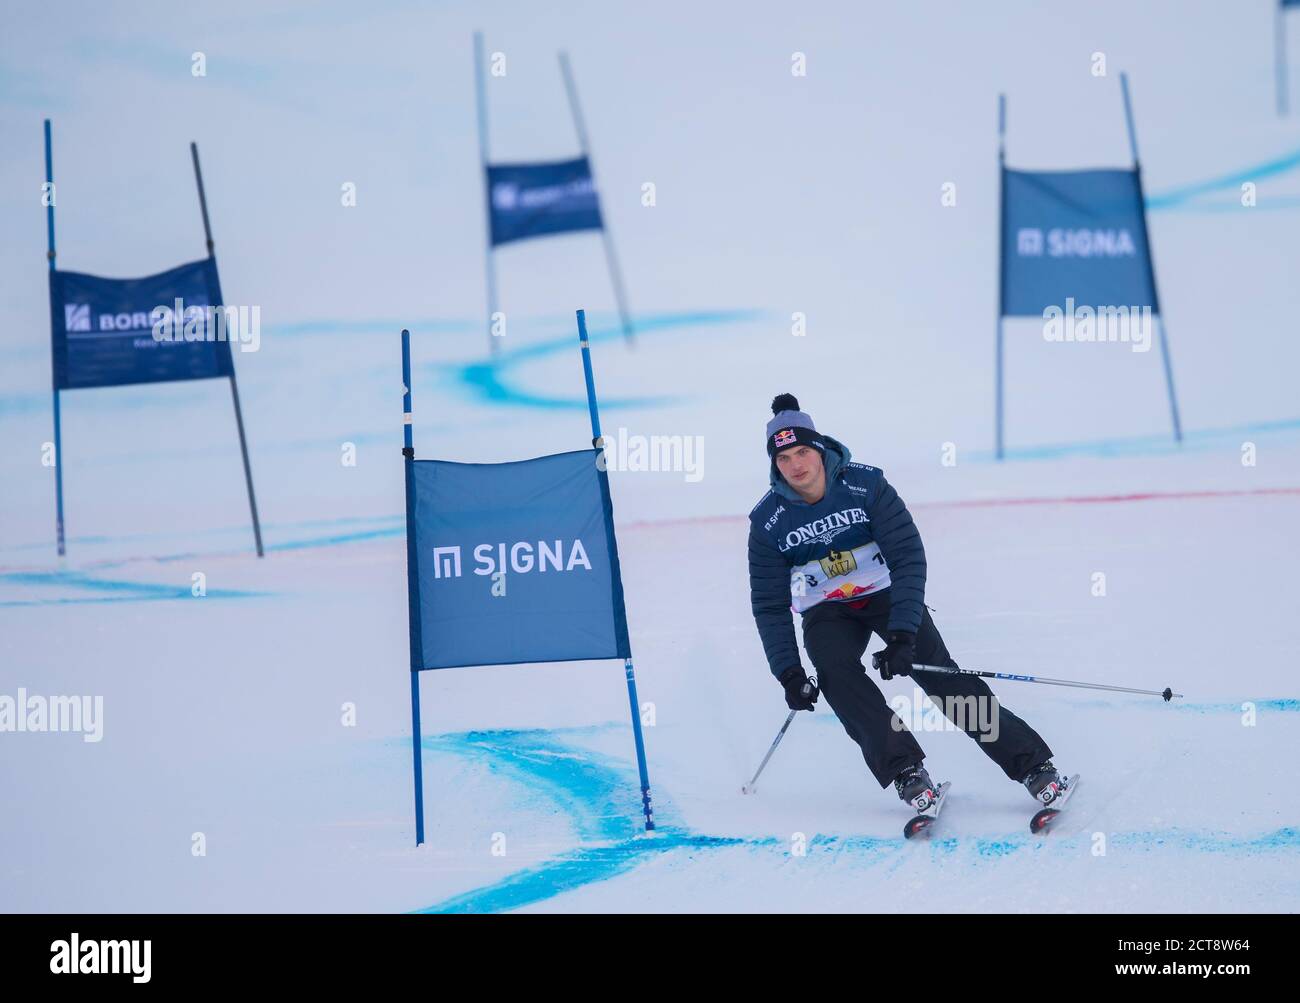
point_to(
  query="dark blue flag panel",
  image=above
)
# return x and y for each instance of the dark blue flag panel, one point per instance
(109, 332)
(1074, 234)
(547, 523)
(532, 200)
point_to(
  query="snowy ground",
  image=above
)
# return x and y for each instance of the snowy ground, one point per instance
(224, 714)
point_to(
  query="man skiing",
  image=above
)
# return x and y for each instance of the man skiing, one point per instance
(833, 541)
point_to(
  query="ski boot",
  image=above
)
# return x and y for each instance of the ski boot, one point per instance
(1044, 784)
(1050, 789)
(916, 789)
(923, 796)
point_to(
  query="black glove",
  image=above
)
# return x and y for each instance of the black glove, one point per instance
(800, 691)
(897, 656)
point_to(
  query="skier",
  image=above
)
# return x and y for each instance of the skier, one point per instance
(833, 541)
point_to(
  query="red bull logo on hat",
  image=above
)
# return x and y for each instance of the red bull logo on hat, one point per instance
(785, 437)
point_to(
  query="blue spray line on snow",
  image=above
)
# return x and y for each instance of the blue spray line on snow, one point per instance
(486, 379)
(335, 539)
(594, 793)
(370, 527)
(117, 591)
(1271, 203)
(1144, 445)
(1180, 197)
(598, 795)
(1273, 705)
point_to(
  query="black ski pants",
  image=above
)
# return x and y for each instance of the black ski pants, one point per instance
(835, 636)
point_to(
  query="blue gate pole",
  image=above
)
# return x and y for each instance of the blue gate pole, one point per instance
(234, 387)
(1151, 268)
(49, 254)
(58, 475)
(1002, 270)
(1279, 56)
(599, 443)
(480, 90)
(580, 126)
(412, 586)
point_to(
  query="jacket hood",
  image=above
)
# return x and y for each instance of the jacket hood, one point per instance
(837, 454)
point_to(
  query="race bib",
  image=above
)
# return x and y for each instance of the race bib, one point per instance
(840, 575)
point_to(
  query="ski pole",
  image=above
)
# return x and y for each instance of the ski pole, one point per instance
(749, 787)
(1167, 693)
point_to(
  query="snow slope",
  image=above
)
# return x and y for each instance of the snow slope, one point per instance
(223, 714)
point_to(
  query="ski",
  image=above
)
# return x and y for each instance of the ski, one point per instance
(921, 823)
(1043, 818)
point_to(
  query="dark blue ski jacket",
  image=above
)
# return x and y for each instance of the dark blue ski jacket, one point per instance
(857, 542)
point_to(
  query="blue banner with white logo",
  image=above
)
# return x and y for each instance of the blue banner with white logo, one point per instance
(1078, 235)
(110, 332)
(533, 200)
(516, 562)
